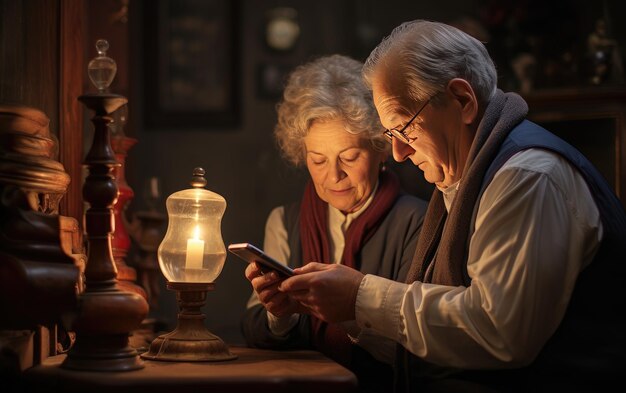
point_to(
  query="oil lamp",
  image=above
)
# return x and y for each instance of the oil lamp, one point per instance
(191, 256)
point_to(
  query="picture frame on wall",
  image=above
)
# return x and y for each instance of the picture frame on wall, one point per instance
(190, 64)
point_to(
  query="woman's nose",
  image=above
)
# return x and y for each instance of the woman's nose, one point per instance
(337, 173)
(401, 151)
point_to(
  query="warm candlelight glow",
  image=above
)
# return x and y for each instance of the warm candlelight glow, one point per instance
(195, 251)
(194, 215)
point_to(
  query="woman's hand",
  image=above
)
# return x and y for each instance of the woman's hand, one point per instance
(266, 287)
(327, 291)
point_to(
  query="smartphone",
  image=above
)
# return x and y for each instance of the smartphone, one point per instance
(250, 253)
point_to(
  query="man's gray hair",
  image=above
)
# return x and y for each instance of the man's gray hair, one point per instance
(429, 55)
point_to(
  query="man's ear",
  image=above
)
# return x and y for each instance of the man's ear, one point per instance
(461, 90)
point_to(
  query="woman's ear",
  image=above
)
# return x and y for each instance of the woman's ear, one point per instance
(383, 160)
(462, 91)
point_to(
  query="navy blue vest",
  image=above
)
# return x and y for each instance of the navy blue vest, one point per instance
(588, 350)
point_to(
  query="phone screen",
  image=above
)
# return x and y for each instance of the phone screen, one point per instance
(250, 253)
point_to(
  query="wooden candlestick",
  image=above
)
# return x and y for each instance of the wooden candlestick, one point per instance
(146, 231)
(106, 314)
(120, 243)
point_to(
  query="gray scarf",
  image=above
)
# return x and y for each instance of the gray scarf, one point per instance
(444, 241)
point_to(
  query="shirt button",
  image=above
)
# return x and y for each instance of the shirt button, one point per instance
(368, 325)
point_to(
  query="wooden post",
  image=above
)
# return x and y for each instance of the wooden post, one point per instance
(107, 314)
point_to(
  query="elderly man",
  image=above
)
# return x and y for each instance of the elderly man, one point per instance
(517, 283)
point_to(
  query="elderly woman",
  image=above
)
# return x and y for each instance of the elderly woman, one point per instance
(352, 211)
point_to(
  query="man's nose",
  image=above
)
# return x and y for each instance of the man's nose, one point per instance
(401, 151)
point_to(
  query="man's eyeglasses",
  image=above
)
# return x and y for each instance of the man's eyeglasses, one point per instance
(401, 134)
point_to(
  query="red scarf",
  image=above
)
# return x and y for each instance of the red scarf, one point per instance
(330, 338)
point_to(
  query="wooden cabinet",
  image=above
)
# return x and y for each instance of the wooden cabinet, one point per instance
(41, 57)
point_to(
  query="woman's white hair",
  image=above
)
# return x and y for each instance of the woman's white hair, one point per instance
(328, 88)
(429, 55)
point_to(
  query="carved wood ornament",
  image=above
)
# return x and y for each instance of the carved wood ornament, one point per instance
(41, 256)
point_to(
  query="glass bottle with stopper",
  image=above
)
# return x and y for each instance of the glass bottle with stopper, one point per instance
(102, 69)
(191, 257)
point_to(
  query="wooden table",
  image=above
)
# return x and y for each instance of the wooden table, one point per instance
(254, 370)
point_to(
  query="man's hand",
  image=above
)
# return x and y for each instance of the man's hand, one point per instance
(327, 291)
(266, 287)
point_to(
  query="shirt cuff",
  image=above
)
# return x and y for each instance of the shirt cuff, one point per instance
(382, 348)
(378, 304)
(280, 326)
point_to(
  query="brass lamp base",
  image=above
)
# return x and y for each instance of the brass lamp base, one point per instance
(191, 341)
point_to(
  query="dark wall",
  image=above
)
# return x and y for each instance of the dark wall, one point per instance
(241, 161)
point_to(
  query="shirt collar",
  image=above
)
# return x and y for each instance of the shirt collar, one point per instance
(449, 193)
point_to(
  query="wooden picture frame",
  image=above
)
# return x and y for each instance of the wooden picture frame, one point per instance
(190, 64)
